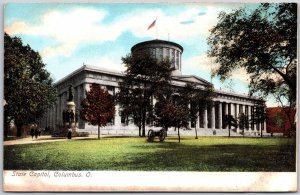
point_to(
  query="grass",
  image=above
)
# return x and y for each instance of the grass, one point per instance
(136, 154)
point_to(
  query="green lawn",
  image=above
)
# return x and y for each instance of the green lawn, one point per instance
(128, 153)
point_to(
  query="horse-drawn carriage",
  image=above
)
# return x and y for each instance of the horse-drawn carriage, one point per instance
(161, 134)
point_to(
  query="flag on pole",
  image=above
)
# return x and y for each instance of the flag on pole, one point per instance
(152, 24)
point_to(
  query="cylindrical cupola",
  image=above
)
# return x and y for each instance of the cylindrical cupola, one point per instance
(161, 49)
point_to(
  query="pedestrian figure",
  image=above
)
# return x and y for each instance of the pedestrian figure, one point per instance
(36, 133)
(32, 132)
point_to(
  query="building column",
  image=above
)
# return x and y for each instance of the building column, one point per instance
(249, 117)
(229, 111)
(79, 91)
(232, 109)
(252, 123)
(190, 121)
(205, 118)
(52, 116)
(213, 117)
(226, 113)
(198, 119)
(232, 112)
(58, 111)
(220, 115)
(117, 115)
(61, 109)
(237, 114)
(85, 88)
(265, 127)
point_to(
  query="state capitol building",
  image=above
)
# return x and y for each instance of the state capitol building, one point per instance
(209, 122)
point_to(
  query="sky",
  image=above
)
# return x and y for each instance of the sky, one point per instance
(70, 35)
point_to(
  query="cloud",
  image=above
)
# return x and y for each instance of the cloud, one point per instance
(205, 63)
(202, 62)
(107, 61)
(201, 13)
(63, 49)
(86, 25)
(18, 27)
(187, 22)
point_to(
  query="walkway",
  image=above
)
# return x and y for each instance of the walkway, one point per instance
(43, 139)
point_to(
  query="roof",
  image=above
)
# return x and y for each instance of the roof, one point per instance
(155, 41)
(184, 78)
(89, 68)
(192, 78)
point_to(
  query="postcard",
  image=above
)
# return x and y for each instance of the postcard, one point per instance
(150, 97)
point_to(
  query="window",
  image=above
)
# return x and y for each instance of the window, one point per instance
(167, 54)
(160, 53)
(177, 60)
(173, 57)
(153, 52)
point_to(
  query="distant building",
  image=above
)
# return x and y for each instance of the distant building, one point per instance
(278, 121)
(209, 120)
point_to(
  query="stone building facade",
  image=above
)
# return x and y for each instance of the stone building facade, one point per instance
(210, 120)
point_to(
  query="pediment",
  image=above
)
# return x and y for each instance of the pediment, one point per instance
(192, 79)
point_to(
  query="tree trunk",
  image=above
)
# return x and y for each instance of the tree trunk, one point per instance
(144, 123)
(178, 135)
(98, 131)
(166, 130)
(196, 133)
(140, 128)
(288, 114)
(19, 130)
(261, 135)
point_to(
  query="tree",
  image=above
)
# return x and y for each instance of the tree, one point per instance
(172, 115)
(279, 120)
(144, 75)
(98, 108)
(229, 121)
(281, 94)
(28, 87)
(259, 114)
(198, 99)
(263, 41)
(243, 122)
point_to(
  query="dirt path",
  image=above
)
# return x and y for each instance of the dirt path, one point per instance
(42, 139)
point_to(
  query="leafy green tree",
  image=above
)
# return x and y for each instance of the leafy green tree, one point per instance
(243, 122)
(172, 114)
(28, 89)
(198, 99)
(279, 120)
(98, 108)
(281, 94)
(263, 41)
(259, 115)
(229, 121)
(143, 77)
